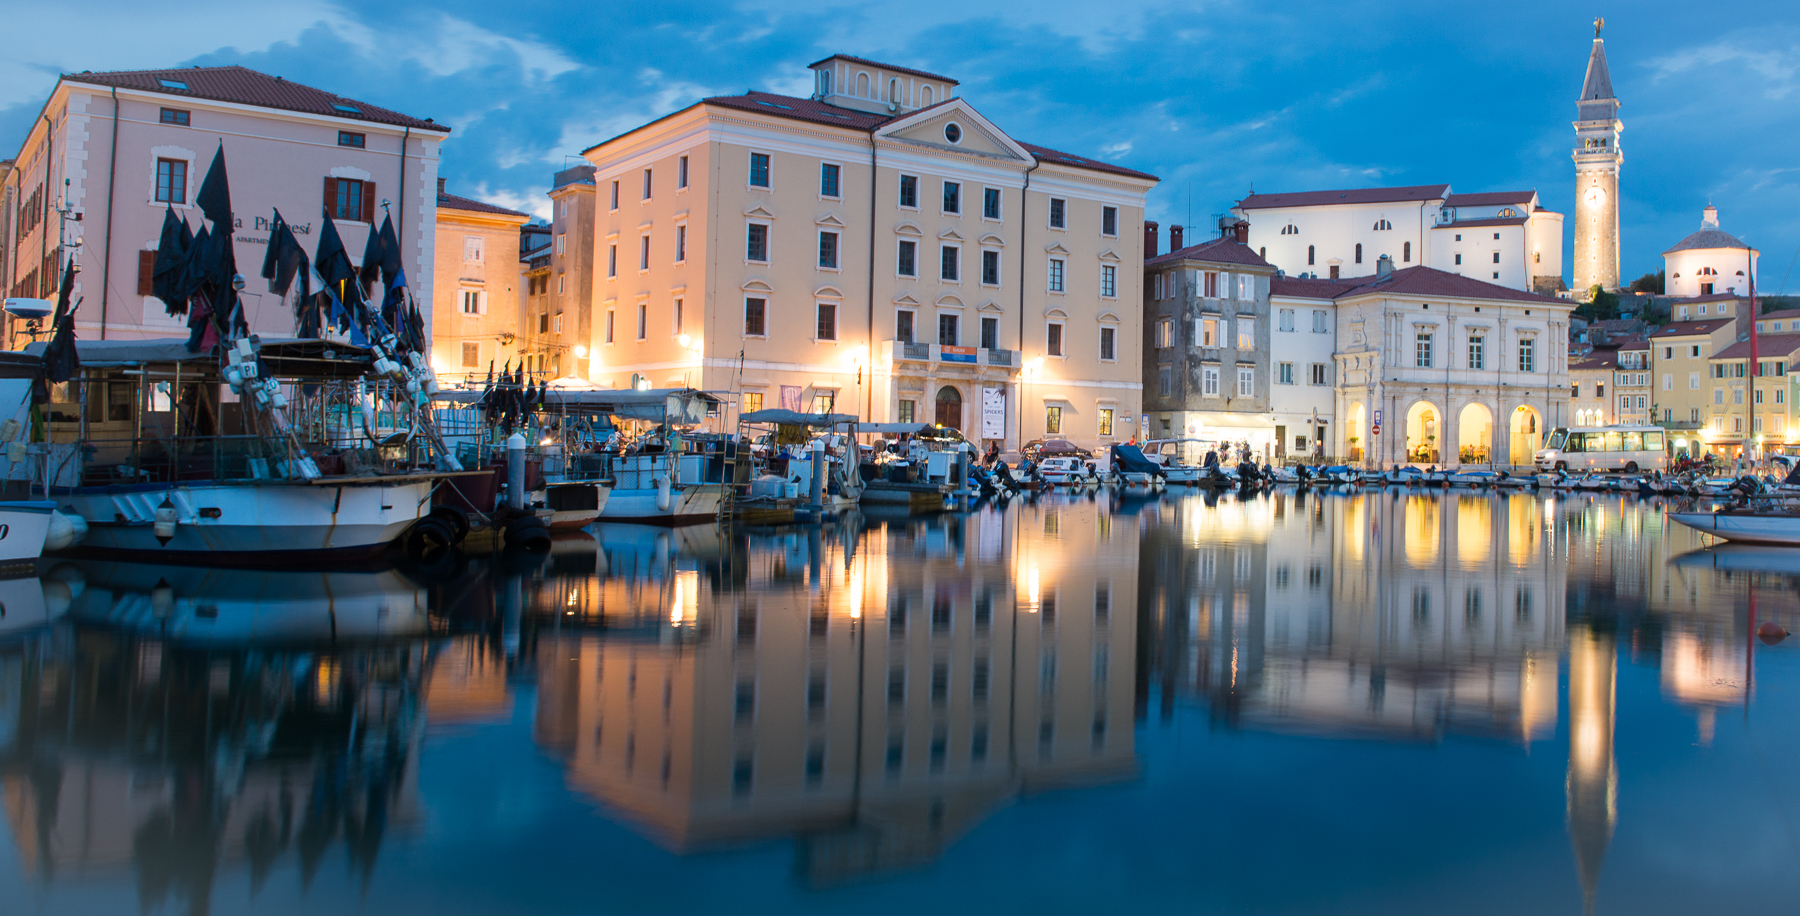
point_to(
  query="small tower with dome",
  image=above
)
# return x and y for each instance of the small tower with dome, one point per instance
(1710, 262)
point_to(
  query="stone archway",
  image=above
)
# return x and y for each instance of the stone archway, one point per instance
(1525, 431)
(1474, 434)
(950, 407)
(1424, 434)
(1356, 433)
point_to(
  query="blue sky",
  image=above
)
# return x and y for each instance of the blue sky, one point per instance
(1214, 97)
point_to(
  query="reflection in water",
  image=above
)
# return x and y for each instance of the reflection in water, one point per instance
(870, 690)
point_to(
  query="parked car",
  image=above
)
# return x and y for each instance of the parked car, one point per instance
(1039, 449)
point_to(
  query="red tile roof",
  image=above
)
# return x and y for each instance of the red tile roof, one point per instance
(1779, 314)
(1689, 328)
(1489, 198)
(453, 202)
(818, 112)
(1429, 281)
(1314, 288)
(1716, 297)
(1767, 346)
(1353, 196)
(1477, 223)
(1601, 359)
(243, 86)
(1224, 250)
(870, 63)
(1632, 343)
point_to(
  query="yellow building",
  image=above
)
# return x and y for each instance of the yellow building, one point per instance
(1679, 364)
(477, 302)
(1749, 405)
(879, 247)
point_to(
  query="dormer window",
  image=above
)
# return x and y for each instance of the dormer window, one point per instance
(1508, 213)
(1382, 224)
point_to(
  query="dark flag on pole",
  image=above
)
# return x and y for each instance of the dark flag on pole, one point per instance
(285, 261)
(171, 261)
(60, 360)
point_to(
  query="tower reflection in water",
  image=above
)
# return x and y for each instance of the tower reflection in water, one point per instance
(872, 689)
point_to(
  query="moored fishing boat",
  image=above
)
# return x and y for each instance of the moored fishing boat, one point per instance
(1746, 526)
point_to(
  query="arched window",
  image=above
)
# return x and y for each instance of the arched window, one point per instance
(1359, 252)
(1309, 255)
(1382, 224)
(1406, 253)
(1263, 253)
(1508, 213)
(862, 85)
(924, 96)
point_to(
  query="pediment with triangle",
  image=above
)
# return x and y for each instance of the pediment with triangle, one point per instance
(979, 135)
(906, 299)
(830, 219)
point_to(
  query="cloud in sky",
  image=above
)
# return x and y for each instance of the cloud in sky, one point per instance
(1215, 96)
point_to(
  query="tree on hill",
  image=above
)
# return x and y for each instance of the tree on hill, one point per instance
(1601, 305)
(1648, 283)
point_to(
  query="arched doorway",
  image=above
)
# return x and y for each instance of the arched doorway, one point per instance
(1355, 433)
(1424, 432)
(949, 407)
(1474, 435)
(1525, 431)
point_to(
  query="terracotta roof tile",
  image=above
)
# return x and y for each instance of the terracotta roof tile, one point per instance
(1352, 196)
(1489, 198)
(243, 86)
(1478, 223)
(1429, 281)
(1045, 154)
(453, 202)
(870, 63)
(1314, 288)
(1224, 250)
(1689, 328)
(1767, 346)
(1601, 359)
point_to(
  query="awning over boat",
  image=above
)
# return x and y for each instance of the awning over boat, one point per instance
(686, 406)
(285, 356)
(796, 418)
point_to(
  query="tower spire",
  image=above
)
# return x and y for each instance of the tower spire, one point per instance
(1597, 159)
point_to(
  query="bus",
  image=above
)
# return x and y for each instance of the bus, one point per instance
(1605, 448)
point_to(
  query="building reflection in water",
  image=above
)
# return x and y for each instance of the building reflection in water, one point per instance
(874, 690)
(145, 734)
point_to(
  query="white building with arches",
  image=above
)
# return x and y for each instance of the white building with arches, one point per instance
(1502, 237)
(1439, 369)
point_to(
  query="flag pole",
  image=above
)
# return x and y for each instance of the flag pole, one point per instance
(1755, 364)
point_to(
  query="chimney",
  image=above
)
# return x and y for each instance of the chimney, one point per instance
(1243, 231)
(1150, 239)
(440, 186)
(1175, 238)
(1384, 266)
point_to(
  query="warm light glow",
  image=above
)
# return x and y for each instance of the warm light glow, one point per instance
(685, 340)
(685, 606)
(856, 589)
(1031, 590)
(581, 352)
(857, 355)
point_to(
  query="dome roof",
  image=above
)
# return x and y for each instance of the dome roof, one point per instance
(1708, 239)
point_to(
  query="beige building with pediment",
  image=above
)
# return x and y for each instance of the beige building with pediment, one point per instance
(880, 248)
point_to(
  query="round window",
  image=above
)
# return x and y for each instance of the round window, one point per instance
(953, 133)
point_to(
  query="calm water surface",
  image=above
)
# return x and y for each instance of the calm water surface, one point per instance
(1372, 703)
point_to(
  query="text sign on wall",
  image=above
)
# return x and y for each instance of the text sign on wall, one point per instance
(993, 412)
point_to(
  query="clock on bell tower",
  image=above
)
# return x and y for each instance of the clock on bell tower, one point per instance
(1597, 159)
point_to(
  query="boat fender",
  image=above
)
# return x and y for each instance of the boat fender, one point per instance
(1771, 632)
(456, 518)
(527, 533)
(15, 452)
(65, 531)
(9, 430)
(664, 498)
(164, 526)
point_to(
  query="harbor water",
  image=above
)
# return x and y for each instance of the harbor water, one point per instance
(1380, 701)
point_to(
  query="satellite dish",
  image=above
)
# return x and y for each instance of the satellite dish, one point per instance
(30, 308)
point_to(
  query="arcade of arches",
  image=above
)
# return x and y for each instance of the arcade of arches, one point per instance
(1467, 434)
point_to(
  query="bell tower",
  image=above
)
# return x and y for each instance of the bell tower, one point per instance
(1597, 159)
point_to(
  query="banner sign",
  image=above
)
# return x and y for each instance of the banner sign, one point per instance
(957, 354)
(993, 412)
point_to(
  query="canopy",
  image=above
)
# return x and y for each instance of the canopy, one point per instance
(1130, 458)
(796, 418)
(684, 406)
(285, 356)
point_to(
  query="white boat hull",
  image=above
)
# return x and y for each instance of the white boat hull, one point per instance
(23, 527)
(1744, 528)
(249, 523)
(688, 504)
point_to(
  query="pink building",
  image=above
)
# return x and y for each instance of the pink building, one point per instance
(110, 151)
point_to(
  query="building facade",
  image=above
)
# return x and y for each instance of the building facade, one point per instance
(570, 284)
(1710, 262)
(1633, 390)
(1589, 377)
(1597, 160)
(1502, 237)
(1749, 402)
(1207, 343)
(1434, 368)
(1680, 354)
(112, 151)
(480, 305)
(879, 248)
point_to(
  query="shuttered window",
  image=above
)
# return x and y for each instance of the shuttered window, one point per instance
(350, 199)
(146, 273)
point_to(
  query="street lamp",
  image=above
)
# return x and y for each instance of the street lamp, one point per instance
(858, 357)
(1031, 367)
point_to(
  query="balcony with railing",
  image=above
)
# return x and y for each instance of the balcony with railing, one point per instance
(907, 351)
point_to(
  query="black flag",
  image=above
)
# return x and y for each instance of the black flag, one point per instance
(171, 261)
(60, 360)
(214, 198)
